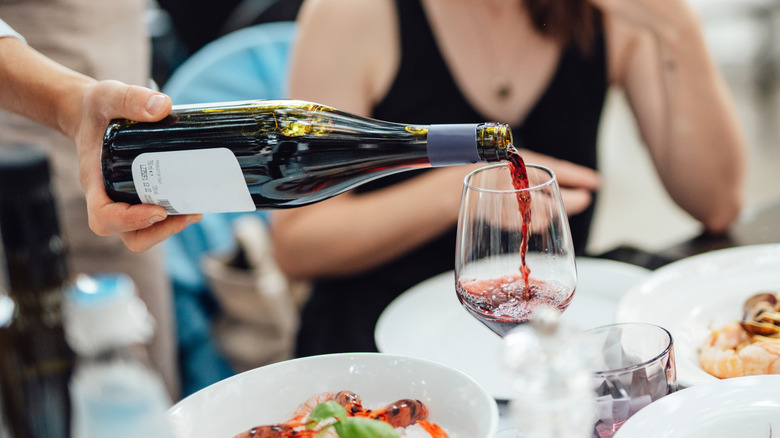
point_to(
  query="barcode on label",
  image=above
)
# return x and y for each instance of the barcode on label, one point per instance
(164, 203)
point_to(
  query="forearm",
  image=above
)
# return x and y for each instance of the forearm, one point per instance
(36, 87)
(706, 148)
(691, 128)
(354, 233)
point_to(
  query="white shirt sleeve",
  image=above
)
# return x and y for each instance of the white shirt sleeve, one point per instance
(6, 30)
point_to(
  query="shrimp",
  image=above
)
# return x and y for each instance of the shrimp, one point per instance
(399, 414)
(344, 398)
(295, 426)
(732, 352)
(305, 408)
(434, 430)
(350, 401)
(402, 413)
(274, 431)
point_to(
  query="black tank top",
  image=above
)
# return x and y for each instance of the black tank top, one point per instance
(341, 313)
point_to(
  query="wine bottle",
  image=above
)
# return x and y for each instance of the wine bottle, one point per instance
(36, 362)
(242, 156)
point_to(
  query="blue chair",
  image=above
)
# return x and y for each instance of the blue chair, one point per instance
(250, 63)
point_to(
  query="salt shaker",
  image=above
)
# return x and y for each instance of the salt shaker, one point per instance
(551, 371)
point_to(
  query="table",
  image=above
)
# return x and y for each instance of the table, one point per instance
(758, 228)
(762, 226)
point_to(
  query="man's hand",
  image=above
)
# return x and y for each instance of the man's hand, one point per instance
(139, 226)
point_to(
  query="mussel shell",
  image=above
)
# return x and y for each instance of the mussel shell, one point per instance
(757, 304)
(760, 328)
(769, 318)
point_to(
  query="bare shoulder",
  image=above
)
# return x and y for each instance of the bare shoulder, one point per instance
(352, 43)
(358, 18)
(626, 43)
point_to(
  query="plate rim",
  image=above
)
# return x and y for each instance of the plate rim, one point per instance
(683, 402)
(698, 265)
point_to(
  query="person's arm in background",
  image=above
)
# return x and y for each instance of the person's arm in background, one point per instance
(346, 56)
(682, 105)
(80, 107)
(351, 233)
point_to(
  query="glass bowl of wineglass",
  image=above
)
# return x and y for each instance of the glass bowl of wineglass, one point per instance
(514, 250)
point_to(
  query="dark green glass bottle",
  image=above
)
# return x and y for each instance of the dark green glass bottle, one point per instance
(242, 156)
(36, 362)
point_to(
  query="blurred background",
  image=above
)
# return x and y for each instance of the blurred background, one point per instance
(743, 36)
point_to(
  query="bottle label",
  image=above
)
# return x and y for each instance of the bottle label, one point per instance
(196, 181)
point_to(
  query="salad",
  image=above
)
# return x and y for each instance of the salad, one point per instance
(342, 415)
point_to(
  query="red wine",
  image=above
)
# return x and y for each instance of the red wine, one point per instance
(607, 429)
(242, 156)
(504, 303)
(520, 182)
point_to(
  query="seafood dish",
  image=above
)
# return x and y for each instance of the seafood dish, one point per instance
(750, 346)
(275, 394)
(342, 415)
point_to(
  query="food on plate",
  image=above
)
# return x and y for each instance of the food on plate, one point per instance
(747, 347)
(342, 415)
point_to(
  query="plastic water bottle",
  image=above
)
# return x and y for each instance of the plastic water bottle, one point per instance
(114, 391)
(551, 370)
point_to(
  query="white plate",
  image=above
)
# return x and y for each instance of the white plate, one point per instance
(270, 394)
(745, 407)
(428, 322)
(693, 295)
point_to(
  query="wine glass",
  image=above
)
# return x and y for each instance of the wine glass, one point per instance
(514, 250)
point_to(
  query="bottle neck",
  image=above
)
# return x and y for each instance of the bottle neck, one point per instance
(494, 142)
(456, 144)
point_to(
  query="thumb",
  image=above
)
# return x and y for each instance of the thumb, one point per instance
(145, 105)
(119, 100)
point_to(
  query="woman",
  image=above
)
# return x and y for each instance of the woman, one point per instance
(544, 66)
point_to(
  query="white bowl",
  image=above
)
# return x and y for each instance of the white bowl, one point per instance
(270, 394)
(697, 294)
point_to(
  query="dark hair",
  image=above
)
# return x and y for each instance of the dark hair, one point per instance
(569, 21)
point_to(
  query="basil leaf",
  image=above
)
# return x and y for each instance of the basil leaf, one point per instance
(326, 410)
(359, 427)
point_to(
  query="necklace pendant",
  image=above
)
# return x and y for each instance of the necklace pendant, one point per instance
(502, 88)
